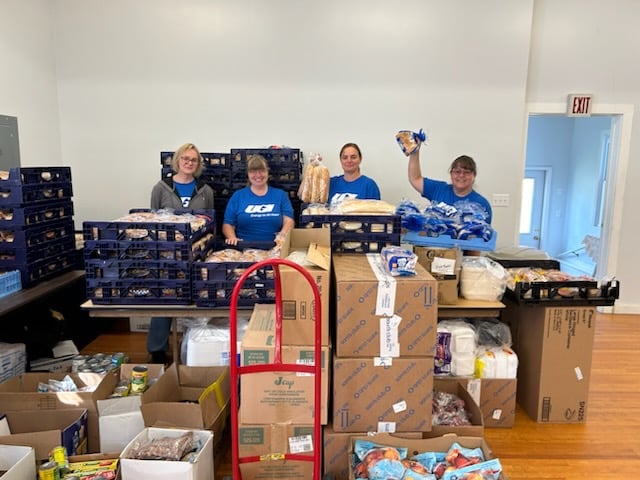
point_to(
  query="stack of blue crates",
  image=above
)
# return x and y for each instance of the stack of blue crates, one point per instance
(144, 262)
(37, 235)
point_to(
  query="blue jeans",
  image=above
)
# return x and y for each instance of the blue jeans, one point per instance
(158, 336)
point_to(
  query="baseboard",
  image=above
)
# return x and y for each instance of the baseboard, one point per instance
(625, 308)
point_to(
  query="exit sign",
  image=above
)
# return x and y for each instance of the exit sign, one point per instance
(579, 105)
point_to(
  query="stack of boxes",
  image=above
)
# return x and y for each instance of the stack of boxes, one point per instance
(277, 410)
(37, 235)
(385, 331)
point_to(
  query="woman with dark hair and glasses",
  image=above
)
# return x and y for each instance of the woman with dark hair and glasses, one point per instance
(351, 184)
(182, 190)
(463, 175)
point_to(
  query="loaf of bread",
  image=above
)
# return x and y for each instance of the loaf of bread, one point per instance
(314, 187)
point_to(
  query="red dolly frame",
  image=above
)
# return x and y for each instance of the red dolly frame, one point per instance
(277, 365)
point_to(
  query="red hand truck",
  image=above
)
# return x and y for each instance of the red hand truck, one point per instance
(277, 366)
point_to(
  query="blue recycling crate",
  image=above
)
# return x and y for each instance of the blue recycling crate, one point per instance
(10, 282)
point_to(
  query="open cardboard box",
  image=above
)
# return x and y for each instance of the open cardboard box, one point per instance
(17, 462)
(453, 386)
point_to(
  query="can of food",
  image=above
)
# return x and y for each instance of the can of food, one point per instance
(59, 456)
(49, 471)
(117, 359)
(138, 379)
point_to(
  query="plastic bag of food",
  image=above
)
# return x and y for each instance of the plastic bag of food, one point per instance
(410, 141)
(399, 261)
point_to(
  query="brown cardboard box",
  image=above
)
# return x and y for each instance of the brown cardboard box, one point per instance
(260, 440)
(21, 393)
(336, 450)
(298, 305)
(361, 328)
(370, 397)
(276, 397)
(554, 346)
(458, 388)
(496, 398)
(189, 397)
(444, 265)
(45, 429)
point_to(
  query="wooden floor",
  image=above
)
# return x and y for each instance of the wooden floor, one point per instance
(606, 446)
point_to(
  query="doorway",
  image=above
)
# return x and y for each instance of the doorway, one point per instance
(568, 198)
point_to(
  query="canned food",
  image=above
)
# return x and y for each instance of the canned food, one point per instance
(49, 471)
(59, 456)
(138, 379)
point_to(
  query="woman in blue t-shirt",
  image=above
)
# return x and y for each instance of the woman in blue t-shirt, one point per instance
(463, 175)
(257, 212)
(352, 184)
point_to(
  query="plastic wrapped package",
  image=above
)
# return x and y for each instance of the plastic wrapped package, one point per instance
(482, 279)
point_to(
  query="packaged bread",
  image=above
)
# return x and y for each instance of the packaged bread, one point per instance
(314, 187)
(409, 141)
(366, 207)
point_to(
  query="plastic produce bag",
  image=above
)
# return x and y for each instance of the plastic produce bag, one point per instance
(482, 279)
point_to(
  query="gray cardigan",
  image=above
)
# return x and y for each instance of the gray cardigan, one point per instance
(164, 195)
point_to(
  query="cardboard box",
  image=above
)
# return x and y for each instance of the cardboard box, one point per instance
(45, 429)
(554, 347)
(13, 360)
(298, 303)
(275, 397)
(370, 397)
(189, 397)
(496, 398)
(444, 265)
(201, 468)
(62, 360)
(21, 393)
(435, 444)
(17, 462)
(261, 440)
(372, 320)
(336, 450)
(458, 388)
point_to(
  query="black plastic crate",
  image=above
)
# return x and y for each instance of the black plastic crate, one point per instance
(137, 270)
(566, 293)
(210, 159)
(37, 214)
(12, 254)
(228, 271)
(275, 157)
(544, 263)
(38, 235)
(37, 175)
(22, 195)
(218, 294)
(135, 292)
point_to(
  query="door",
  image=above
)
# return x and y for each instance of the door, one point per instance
(533, 206)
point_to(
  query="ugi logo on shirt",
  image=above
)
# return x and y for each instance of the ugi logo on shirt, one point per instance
(339, 197)
(266, 208)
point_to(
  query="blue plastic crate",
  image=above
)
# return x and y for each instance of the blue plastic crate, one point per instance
(211, 159)
(10, 282)
(37, 175)
(362, 243)
(21, 195)
(37, 214)
(137, 269)
(383, 224)
(33, 273)
(134, 250)
(419, 238)
(38, 235)
(218, 294)
(150, 231)
(138, 292)
(14, 254)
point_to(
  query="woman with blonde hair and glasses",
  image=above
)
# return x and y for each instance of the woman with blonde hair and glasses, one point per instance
(183, 190)
(463, 175)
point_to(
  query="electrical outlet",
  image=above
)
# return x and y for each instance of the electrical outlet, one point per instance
(500, 200)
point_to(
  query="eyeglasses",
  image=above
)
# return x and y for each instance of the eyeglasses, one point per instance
(189, 159)
(461, 171)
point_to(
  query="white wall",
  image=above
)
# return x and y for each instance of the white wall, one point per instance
(139, 77)
(28, 78)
